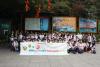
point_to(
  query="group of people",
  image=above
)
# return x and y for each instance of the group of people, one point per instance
(77, 43)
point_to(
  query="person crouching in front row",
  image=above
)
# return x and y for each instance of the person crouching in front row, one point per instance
(81, 46)
(72, 47)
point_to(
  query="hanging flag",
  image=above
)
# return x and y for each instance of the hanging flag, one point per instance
(27, 5)
(49, 5)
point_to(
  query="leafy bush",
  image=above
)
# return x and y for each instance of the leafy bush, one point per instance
(98, 37)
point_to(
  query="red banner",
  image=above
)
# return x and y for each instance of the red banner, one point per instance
(38, 11)
(49, 4)
(27, 5)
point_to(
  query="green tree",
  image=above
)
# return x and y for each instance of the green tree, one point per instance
(91, 8)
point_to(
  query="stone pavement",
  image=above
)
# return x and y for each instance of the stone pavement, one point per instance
(13, 59)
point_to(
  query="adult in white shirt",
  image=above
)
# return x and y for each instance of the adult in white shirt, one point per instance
(12, 38)
(89, 38)
(81, 47)
(11, 42)
(72, 47)
(74, 37)
(66, 38)
(32, 37)
(36, 37)
(20, 37)
(41, 37)
(93, 40)
(15, 45)
(79, 36)
(69, 46)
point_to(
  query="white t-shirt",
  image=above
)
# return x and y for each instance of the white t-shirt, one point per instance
(41, 36)
(66, 38)
(81, 45)
(74, 38)
(12, 38)
(32, 36)
(79, 36)
(89, 38)
(20, 36)
(15, 44)
(69, 45)
(36, 36)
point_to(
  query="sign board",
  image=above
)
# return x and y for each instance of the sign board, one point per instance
(64, 24)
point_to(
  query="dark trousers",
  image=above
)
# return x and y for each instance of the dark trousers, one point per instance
(80, 51)
(19, 46)
(89, 47)
(11, 46)
(93, 44)
(89, 43)
(73, 50)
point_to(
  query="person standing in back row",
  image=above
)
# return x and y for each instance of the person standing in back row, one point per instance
(93, 49)
(89, 38)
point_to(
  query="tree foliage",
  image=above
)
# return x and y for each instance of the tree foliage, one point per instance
(79, 8)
